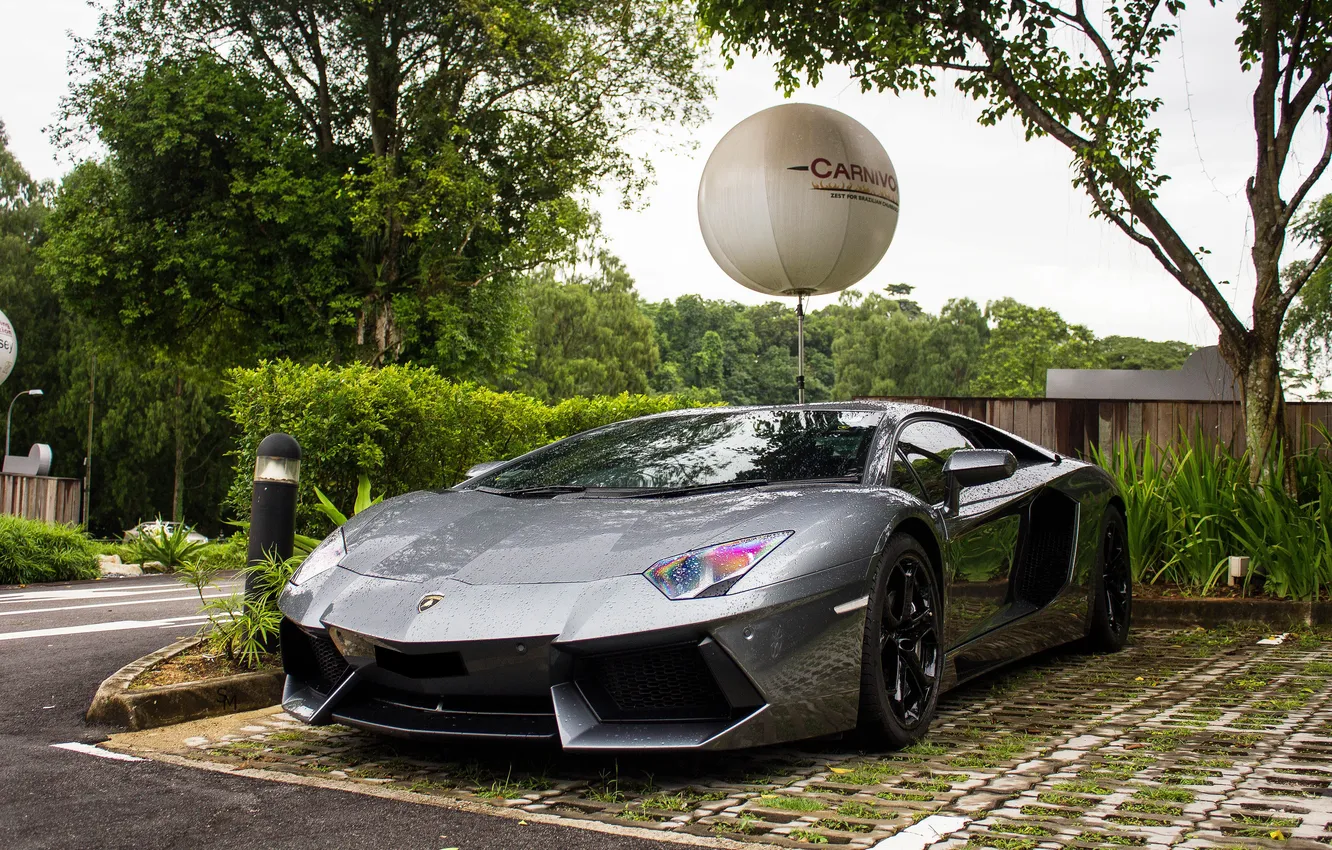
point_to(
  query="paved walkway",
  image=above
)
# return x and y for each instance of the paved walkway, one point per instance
(1186, 739)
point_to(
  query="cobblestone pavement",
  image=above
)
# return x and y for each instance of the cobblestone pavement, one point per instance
(1187, 739)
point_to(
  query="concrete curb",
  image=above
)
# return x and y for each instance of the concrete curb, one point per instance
(1211, 613)
(116, 705)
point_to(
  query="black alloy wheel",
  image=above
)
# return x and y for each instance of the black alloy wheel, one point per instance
(1112, 604)
(902, 664)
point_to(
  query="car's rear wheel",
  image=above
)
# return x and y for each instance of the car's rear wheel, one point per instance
(902, 657)
(1112, 602)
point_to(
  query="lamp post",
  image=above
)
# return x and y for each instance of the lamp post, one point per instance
(9, 417)
(277, 471)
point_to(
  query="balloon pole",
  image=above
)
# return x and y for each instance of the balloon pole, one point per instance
(800, 348)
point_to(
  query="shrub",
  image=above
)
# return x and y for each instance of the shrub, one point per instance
(33, 551)
(404, 426)
(1191, 506)
(245, 630)
(170, 550)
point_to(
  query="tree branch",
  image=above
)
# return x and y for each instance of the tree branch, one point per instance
(1094, 189)
(1319, 167)
(1296, 283)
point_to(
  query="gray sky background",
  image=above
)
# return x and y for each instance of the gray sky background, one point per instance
(984, 214)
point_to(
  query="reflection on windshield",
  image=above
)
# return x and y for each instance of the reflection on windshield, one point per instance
(697, 449)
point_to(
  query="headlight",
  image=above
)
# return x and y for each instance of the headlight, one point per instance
(325, 557)
(712, 570)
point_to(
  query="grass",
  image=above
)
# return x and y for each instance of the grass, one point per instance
(1083, 786)
(808, 836)
(792, 804)
(1173, 795)
(852, 809)
(32, 551)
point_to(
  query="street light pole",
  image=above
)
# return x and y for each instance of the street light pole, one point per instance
(9, 417)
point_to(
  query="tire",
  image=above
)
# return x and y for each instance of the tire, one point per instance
(902, 658)
(1112, 586)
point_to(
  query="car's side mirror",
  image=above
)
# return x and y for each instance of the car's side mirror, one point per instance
(974, 467)
(483, 468)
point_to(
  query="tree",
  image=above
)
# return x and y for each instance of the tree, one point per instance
(158, 444)
(462, 137)
(588, 336)
(210, 223)
(1308, 329)
(1080, 77)
(1025, 342)
(1131, 352)
(889, 346)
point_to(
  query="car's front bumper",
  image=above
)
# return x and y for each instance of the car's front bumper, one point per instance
(624, 669)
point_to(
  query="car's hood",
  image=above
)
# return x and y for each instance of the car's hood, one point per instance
(480, 538)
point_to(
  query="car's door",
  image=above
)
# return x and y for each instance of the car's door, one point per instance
(981, 537)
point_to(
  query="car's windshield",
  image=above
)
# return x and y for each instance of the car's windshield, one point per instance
(701, 449)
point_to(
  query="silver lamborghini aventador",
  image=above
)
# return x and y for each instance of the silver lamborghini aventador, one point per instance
(717, 578)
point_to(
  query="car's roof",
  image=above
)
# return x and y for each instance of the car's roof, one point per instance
(893, 411)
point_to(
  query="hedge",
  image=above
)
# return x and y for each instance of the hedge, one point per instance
(405, 426)
(33, 551)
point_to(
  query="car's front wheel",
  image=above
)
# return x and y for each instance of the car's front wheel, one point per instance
(902, 658)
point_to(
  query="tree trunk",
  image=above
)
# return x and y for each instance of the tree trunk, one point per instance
(376, 324)
(178, 479)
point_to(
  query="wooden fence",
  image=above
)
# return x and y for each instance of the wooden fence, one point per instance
(1073, 426)
(49, 499)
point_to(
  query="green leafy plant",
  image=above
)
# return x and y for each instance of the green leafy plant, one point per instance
(170, 550)
(1190, 506)
(363, 501)
(34, 551)
(244, 628)
(198, 574)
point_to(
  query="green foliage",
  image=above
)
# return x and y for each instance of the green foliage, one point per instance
(363, 501)
(588, 336)
(1024, 343)
(1191, 506)
(224, 555)
(198, 574)
(1128, 352)
(33, 551)
(406, 425)
(246, 628)
(170, 550)
(886, 346)
(441, 149)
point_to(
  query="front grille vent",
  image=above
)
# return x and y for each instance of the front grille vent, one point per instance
(670, 683)
(333, 668)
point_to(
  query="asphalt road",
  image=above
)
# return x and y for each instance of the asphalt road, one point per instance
(57, 643)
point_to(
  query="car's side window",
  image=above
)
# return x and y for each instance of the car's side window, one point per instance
(926, 444)
(904, 478)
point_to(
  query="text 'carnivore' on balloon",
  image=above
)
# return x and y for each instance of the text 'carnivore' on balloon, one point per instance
(798, 199)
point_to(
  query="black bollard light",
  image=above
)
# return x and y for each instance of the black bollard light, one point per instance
(277, 471)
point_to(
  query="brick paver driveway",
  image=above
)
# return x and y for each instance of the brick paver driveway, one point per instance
(1187, 738)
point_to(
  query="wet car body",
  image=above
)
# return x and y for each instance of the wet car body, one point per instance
(471, 614)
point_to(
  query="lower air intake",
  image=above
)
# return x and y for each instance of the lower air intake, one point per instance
(669, 683)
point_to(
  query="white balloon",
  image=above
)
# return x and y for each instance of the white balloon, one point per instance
(8, 348)
(798, 199)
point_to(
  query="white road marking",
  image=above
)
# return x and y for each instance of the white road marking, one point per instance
(89, 749)
(114, 626)
(923, 834)
(95, 593)
(194, 597)
(853, 605)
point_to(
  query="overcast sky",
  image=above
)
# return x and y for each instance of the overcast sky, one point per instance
(984, 213)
